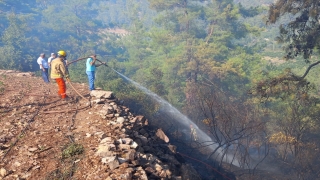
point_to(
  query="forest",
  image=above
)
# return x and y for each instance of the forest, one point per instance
(245, 72)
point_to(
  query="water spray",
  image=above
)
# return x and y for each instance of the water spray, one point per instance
(183, 120)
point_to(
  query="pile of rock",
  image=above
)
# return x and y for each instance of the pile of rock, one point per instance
(132, 150)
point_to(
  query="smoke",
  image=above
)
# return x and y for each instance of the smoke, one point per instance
(186, 125)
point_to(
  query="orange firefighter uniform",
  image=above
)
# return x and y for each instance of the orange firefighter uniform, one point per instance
(58, 72)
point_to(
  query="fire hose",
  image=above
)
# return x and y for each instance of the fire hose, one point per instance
(102, 63)
(76, 60)
(68, 80)
(86, 58)
(69, 110)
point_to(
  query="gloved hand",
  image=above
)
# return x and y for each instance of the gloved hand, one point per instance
(67, 78)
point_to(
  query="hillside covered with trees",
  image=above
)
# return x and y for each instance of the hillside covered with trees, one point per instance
(245, 72)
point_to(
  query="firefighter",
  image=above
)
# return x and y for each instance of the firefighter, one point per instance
(91, 69)
(59, 72)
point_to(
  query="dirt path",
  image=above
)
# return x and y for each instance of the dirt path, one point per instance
(35, 134)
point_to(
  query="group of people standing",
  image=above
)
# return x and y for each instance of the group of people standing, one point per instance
(59, 71)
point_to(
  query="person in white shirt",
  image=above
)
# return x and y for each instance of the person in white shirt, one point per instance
(43, 67)
(52, 57)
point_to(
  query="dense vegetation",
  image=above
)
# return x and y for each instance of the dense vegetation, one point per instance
(217, 61)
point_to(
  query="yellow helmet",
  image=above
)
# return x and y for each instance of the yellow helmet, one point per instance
(62, 53)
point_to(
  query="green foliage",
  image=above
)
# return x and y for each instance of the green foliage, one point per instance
(299, 35)
(77, 71)
(249, 12)
(17, 6)
(14, 43)
(71, 150)
(2, 87)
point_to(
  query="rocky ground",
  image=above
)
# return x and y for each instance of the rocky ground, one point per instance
(92, 136)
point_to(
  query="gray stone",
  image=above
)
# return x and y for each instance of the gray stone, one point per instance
(140, 149)
(126, 141)
(106, 140)
(115, 106)
(104, 112)
(3, 172)
(130, 155)
(158, 167)
(110, 116)
(105, 160)
(101, 94)
(177, 178)
(134, 145)
(103, 150)
(120, 120)
(143, 175)
(126, 175)
(160, 134)
(98, 101)
(27, 74)
(100, 135)
(111, 161)
(124, 146)
(168, 172)
(163, 174)
(122, 160)
(32, 149)
(119, 141)
(135, 162)
(133, 120)
(143, 139)
(3, 139)
(106, 109)
(172, 148)
(142, 131)
(112, 147)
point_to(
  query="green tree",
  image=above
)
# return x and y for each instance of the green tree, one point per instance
(17, 6)
(300, 35)
(14, 43)
(197, 40)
